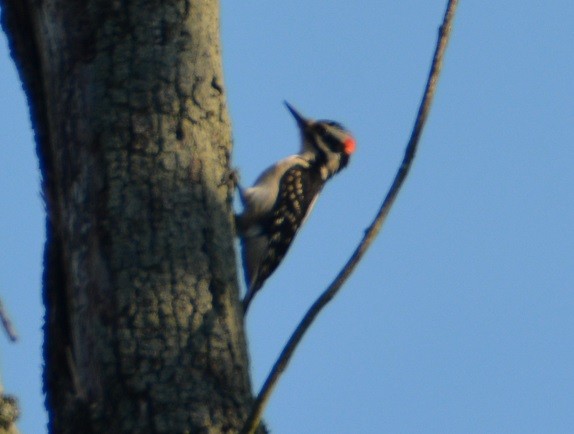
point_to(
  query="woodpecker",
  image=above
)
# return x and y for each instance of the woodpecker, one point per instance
(283, 196)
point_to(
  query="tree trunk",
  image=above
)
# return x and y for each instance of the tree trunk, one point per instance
(143, 328)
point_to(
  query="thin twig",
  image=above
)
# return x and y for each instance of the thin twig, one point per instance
(10, 330)
(444, 33)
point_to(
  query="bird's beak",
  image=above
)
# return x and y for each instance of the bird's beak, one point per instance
(301, 121)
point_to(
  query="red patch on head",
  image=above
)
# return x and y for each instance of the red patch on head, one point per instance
(349, 145)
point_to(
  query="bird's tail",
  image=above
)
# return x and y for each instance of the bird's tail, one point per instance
(248, 297)
(247, 301)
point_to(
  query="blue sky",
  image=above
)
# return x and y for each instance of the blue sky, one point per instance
(460, 318)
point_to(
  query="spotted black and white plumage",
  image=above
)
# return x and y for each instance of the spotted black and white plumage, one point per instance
(284, 194)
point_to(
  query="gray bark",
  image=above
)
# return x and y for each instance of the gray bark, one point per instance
(143, 327)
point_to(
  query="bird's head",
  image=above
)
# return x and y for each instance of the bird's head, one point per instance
(328, 140)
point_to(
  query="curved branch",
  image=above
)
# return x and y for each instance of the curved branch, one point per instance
(370, 234)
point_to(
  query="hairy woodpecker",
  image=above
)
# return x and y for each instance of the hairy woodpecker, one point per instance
(283, 196)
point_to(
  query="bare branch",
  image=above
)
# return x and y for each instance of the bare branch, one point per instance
(370, 234)
(8, 326)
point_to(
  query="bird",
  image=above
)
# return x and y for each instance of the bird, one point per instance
(282, 197)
